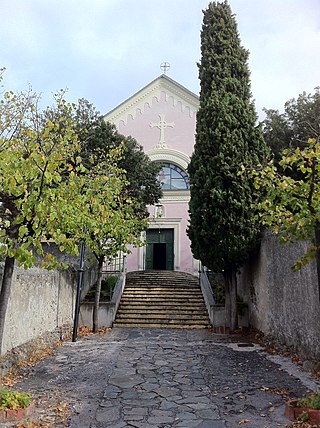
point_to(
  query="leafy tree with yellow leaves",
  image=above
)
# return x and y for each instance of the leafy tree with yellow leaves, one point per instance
(291, 203)
(48, 194)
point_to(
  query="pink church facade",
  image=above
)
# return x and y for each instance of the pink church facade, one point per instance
(162, 118)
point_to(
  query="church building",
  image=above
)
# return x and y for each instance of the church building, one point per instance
(162, 118)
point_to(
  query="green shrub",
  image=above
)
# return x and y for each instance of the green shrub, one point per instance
(107, 287)
(13, 399)
(313, 401)
(217, 286)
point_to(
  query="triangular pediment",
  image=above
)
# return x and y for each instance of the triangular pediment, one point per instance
(161, 86)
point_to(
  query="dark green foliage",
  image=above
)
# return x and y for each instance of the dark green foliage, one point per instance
(277, 133)
(98, 138)
(293, 128)
(217, 286)
(222, 227)
(107, 286)
(313, 401)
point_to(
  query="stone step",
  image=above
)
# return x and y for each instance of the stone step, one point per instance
(156, 325)
(163, 320)
(162, 291)
(164, 288)
(178, 299)
(163, 280)
(163, 317)
(168, 316)
(156, 310)
(159, 296)
(162, 299)
(159, 321)
(135, 303)
(151, 313)
(160, 303)
(169, 290)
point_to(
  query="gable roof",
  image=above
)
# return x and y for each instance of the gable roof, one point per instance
(146, 94)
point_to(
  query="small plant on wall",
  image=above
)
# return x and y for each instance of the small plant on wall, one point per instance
(14, 406)
(305, 409)
(313, 401)
(13, 399)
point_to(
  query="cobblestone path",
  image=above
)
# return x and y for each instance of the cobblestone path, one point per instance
(167, 378)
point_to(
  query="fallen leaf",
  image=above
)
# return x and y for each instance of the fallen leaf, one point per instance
(279, 391)
(244, 421)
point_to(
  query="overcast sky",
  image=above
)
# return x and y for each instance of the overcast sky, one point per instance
(106, 50)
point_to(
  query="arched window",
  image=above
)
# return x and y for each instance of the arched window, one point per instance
(172, 177)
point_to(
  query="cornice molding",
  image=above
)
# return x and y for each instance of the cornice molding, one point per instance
(156, 221)
(174, 196)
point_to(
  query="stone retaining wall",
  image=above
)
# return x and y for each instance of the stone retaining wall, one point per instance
(283, 304)
(42, 303)
(107, 310)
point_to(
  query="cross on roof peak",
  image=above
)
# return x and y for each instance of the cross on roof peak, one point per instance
(165, 66)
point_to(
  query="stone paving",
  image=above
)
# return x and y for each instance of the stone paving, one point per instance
(168, 378)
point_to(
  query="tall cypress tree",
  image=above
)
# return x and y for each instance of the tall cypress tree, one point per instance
(222, 226)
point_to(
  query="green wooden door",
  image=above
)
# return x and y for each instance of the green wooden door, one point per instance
(159, 249)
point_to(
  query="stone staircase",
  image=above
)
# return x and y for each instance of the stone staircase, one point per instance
(162, 299)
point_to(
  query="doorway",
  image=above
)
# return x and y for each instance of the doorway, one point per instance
(159, 250)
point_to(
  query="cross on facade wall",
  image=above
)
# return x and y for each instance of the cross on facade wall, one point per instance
(162, 125)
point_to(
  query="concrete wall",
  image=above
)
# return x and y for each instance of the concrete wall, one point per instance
(283, 304)
(107, 310)
(42, 301)
(216, 312)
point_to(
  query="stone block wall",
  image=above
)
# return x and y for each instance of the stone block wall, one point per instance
(283, 304)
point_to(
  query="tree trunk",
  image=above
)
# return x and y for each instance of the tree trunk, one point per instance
(95, 315)
(5, 293)
(230, 280)
(317, 243)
